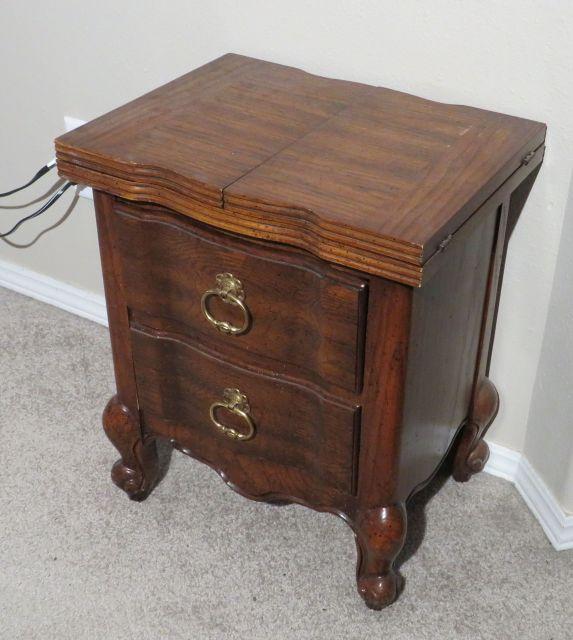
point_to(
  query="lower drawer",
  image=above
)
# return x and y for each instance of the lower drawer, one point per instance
(271, 436)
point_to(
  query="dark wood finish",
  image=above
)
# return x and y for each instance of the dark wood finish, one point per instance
(359, 381)
(307, 320)
(137, 470)
(306, 441)
(444, 344)
(380, 535)
(387, 338)
(473, 451)
(365, 177)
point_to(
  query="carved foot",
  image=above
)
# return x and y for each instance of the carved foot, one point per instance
(471, 456)
(472, 452)
(380, 535)
(137, 471)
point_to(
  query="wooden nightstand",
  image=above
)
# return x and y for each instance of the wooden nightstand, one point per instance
(302, 278)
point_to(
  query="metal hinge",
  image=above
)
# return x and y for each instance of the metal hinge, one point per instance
(528, 158)
(445, 242)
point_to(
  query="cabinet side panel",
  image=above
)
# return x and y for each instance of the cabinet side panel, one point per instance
(115, 300)
(447, 318)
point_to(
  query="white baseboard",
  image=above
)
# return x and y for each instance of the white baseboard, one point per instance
(503, 462)
(59, 294)
(510, 465)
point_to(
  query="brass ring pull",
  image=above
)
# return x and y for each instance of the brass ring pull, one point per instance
(237, 403)
(230, 290)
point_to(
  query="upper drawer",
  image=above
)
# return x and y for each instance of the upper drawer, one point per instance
(302, 318)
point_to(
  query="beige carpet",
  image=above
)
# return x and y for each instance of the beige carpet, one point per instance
(79, 560)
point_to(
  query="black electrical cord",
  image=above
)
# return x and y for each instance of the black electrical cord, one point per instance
(42, 172)
(59, 193)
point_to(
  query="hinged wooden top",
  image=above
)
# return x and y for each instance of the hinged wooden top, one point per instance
(362, 176)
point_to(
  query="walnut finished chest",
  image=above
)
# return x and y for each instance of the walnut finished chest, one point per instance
(302, 278)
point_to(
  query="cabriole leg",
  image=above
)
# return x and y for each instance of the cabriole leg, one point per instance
(137, 471)
(472, 452)
(380, 535)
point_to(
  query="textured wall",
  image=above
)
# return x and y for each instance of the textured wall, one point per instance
(62, 58)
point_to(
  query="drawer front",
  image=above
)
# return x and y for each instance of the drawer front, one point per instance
(302, 444)
(305, 320)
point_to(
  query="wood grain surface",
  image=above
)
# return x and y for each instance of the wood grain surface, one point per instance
(361, 366)
(362, 176)
(307, 320)
(304, 444)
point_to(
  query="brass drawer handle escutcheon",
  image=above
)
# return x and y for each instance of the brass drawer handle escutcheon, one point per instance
(230, 290)
(237, 403)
